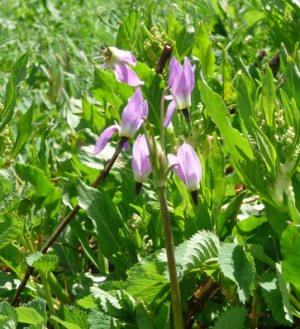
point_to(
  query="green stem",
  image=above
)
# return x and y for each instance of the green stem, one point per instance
(48, 297)
(175, 291)
(162, 119)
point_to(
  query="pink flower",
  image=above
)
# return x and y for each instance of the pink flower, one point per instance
(118, 60)
(141, 165)
(187, 167)
(181, 83)
(132, 119)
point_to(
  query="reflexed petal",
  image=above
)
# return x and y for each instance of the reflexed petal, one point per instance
(175, 71)
(174, 161)
(168, 97)
(132, 114)
(189, 74)
(191, 166)
(169, 114)
(104, 138)
(140, 159)
(181, 92)
(126, 74)
(122, 56)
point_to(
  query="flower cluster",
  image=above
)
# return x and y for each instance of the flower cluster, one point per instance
(181, 84)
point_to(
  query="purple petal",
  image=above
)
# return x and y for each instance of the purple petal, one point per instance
(168, 97)
(126, 74)
(181, 92)
(122, 56)
(175, 71)
(169, 114)
(191, 166)
(131, 117)
(105, 137)
(189, 74)
(174, 161)
(140, 159)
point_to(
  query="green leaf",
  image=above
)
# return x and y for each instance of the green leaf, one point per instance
(24, 130)
(269, 96)
(184, 38)
(233, 318)
(45, 191)
(99, 320)
(285, 294)
(246, 91)
(107, 223)
(71, 317)
(147, 280)
(202, 49)
(66, 324)
(238, 265)
(273, 297)
(10, 230)
(9, 311)
(17, 76)
(45, 263)
(290, 250)
(239, 148)
(267, 150)
(201, 248)
(163, 317)
(144, 318)
(29, 315)
(94, 119)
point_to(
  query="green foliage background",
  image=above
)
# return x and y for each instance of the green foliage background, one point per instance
(108, 269)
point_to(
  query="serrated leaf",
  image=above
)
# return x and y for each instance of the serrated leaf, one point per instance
(233, 318)
(9, 311)
(272, 296)
(29, 315)
(290, 250)
(66, 324)
(99, 320)
(146, 280)
(285, 294)
(200, 248)
(238, 265)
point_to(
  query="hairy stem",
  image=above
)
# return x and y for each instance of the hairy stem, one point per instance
(175, 291)
(69, 217)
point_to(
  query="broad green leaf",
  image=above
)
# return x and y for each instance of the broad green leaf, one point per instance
(246, 91)
(29, 315)
(163, 318)
(233, 318)
(71, 316)
(183, 38)
(267, 150)
(107, 223)
(99, 320)
(147, 280)
(46, 263)
(273, 297)
(24, 130)
(66, 324)
(95, 120)
(268, 97)
(10, 230)
(9, 311)
(17, 76)
(239, 147)
(49, 195)
(228, 218)
(290, 250)
(144, 318)
(238, 265)
(194, 253)
(285, 294)
(202, 49)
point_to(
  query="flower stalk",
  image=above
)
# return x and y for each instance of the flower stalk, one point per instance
(175, 290)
